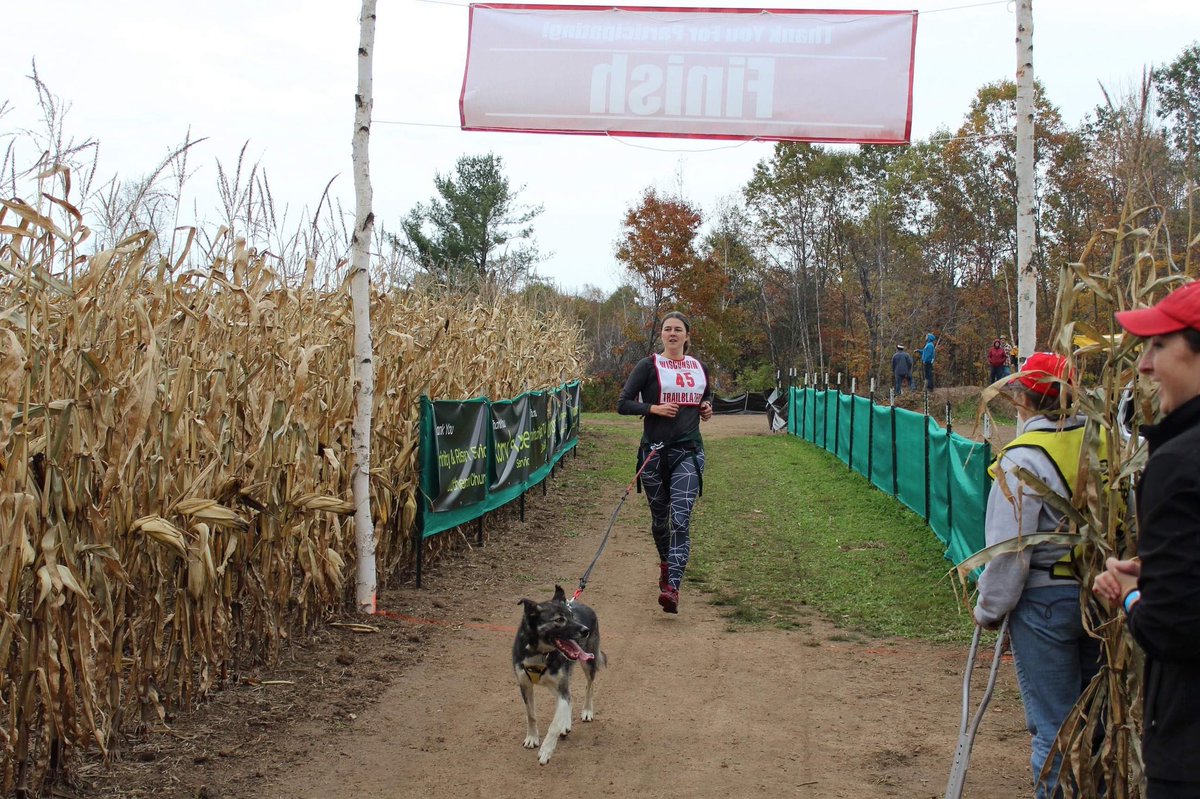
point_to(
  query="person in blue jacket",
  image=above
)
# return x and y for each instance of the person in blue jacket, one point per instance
(927, 353)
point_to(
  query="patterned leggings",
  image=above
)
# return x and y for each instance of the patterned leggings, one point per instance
(672, 483)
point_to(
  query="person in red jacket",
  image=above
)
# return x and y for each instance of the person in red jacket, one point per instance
(1159, 589)
(997, 358)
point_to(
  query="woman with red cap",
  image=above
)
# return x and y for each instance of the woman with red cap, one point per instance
(1035, 586)
(1160, 588)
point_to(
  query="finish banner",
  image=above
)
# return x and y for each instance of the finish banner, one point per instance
(777, 75)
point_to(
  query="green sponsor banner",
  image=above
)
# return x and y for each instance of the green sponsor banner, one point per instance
(540, 420)
(563, 404)
(575, 408)
(512, 446)
(460, 446)
(511, 439)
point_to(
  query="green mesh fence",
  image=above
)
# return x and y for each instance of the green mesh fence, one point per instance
(912, 462)
(936, 473)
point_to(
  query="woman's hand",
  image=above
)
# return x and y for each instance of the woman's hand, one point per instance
(668, 409)
(706, 411)
(1119, 578)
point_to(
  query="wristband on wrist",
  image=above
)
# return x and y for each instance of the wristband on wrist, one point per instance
(1131, 598)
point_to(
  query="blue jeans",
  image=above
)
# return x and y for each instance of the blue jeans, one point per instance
(1055, 660)
(928, 376)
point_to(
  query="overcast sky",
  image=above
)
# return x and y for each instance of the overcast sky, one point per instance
(139, 74)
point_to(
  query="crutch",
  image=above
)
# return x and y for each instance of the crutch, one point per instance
(967, 729)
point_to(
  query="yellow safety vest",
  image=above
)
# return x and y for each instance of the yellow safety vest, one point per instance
(1063, 449)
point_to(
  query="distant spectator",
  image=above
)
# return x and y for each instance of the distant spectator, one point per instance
(1012, 352)
(927, 353)
(997, 358)
(902, 364)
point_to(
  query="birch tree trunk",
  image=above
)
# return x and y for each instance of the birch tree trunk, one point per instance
(360, 296)
(1026, 278)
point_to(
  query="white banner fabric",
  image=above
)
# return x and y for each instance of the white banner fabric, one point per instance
(776, 75)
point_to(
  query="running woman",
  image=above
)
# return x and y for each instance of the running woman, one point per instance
(671, 392)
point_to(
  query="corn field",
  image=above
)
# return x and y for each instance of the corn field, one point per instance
(174, 467)
(1120, 268)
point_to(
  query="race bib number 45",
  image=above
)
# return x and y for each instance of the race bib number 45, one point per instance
(681, 382)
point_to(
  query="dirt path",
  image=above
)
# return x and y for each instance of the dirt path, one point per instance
(428, 707)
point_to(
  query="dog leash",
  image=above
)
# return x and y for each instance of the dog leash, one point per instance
(654, 448)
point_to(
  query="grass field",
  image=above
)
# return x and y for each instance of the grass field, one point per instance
(784, 527)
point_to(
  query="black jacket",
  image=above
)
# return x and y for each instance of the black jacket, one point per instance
(642, 390)
(1166, 621)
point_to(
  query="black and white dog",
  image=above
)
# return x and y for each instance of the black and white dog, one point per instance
(554, 635)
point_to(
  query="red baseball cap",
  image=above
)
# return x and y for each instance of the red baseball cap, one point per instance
(1174, 312)
(1042, 372)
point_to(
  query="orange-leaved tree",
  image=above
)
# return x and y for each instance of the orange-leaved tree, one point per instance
(658, 250)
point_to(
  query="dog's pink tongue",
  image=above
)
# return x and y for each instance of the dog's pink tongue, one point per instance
(573, 650)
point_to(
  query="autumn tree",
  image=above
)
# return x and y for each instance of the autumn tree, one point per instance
(475, 230)
(783, 206)
(658, 250)
(728, 272)
(1178, 87)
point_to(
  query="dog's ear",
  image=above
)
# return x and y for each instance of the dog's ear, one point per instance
(530, 606)
(559, 594)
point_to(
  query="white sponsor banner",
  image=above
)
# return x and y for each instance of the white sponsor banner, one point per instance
(796, 75)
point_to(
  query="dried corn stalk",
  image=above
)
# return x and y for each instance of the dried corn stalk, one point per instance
(175, 460)
(1120, 268)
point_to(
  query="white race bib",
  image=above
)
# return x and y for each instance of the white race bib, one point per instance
(681, 382)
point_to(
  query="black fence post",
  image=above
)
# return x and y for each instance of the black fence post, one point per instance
(521, 505)
(871, 435)
(825, 417)
(814, 410)
(479, 530)
(802, 427)
(853, 394)
(895, 477)
(949, 473)
(837, 417)
(926, 436)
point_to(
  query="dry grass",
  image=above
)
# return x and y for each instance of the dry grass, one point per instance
(175, 461)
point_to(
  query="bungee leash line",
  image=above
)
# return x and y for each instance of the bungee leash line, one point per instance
(654, 448)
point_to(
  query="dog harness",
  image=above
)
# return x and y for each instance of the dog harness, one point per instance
(534, 672)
